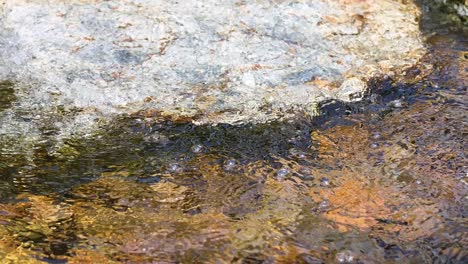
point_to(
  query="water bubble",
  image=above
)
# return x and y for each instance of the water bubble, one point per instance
(230, 164)
(376, 135)
(323, 205)
(374, 145)
(298, 153)
(396, 104)
(345, 257)
(281, 174)
(418, 182)
(174, 167)
(325, 182)
(301, 155)
(198, 148)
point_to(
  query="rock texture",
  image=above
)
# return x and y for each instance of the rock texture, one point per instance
(215, 61)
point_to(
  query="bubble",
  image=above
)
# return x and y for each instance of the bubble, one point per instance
(324, 205)
(418, 182)
(281, 174)
(325, 182)
(174, 167)
(230, 164)
(301, 155)
(374, 145)
(198, 148)
(396, 103)
(376, 135)
(345, 257)
(298, 154)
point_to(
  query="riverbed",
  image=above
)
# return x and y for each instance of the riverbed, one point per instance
(383, 180)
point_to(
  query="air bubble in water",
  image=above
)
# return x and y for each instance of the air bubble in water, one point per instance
(281, 174)
(198, 148)
(324, 182)
(230, 164)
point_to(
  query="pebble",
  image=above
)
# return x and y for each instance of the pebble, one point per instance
(374, 145)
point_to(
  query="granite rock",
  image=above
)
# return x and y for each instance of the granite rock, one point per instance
(229, 61)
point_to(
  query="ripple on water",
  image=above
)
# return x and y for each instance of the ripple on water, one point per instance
(286, 192)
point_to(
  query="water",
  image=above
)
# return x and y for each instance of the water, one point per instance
(381, 181)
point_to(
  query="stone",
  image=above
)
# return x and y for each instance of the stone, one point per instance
(227, 61)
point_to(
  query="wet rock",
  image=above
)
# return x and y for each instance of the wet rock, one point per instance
(229, 61)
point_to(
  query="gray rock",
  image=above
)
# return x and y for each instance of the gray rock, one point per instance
(219, 61)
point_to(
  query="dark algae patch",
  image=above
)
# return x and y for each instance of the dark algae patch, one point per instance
(380, 181)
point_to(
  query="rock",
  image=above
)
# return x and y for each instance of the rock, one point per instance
(214, 61)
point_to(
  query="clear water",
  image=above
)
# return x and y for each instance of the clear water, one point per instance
(381, 181)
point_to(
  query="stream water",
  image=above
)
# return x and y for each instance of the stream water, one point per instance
(380, 181)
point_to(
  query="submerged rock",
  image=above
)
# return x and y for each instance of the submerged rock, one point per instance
(213, 61)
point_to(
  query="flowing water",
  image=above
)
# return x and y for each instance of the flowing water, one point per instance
(381, 181)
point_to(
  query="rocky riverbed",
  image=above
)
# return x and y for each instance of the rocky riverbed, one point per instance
(381, 178)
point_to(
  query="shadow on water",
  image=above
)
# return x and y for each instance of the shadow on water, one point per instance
(383, 180)
(7, 95)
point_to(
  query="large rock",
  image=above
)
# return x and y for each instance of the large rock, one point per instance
(215, 61)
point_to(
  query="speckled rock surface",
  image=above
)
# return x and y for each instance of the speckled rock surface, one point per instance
(215, 61)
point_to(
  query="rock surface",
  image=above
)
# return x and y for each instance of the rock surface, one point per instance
(214, 61)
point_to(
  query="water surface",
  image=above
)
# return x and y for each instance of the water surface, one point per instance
(381, 181)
